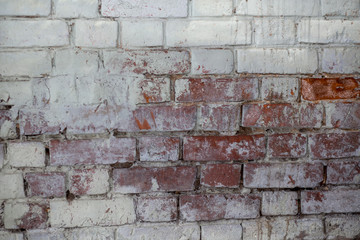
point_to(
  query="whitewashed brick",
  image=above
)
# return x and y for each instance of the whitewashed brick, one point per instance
(278, 8)
(286, 89)
(141, 33)
(273, 31)
(229, 31)
(88, 33)
(12, 186)
(26, 154)
(144, 8)
(92, 212)
(89, 181)
(45, 234)
(228, 231)
(70, 61)
(211, 61)
(11, 236)
(33, 64)
(211, 7)
(32, 33)
(279, 203)
(2, 155)
(15, 93)
(25, 8)
(76, 8)
(342, 227)
(340, 7)
(157, 209)
(94, 233)
(329, 31)
(163, 231)
(341, 60)
(272, 60)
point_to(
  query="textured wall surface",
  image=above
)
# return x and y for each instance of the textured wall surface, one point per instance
(179, 119)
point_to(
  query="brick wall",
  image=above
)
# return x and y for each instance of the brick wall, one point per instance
(182, 119)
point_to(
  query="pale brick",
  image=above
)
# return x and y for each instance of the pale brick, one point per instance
(143, 8)
(31, 33)
(97, 34)
(91, 212)
(274, 31)
(286, 89)
(25, 8)
(159, 148)
(45, 184)
(343, 114)
(211, 7)
(76, 8)
(279, 203)
(89, 181)
(158, 231)
(94, 233)
(340, 7)
(211, 61)
(12, 186)
(26, 154)
(2, 155)
(329, 31)
(8, 123)
(230, 31)
(342, 227)
(278, 8)
(11, 236)
(341, 60)
(32, 63)
(77, 62)
(15, 93)
(45, 234)
(272, 60)
(157, 209)
(228, 231)
(141, 33)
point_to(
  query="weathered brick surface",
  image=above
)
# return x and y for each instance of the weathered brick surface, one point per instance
(76, 8)
(287, 145)
(221, 231)
(221, 175)
(159, 148)
(343, 227)
(26, 154)
(28, 8)
(279, 203)
(340, 60)
(343, 115)
(274, 31)
(343, 172)
(45, 184)
(142, 33)
(157, 209)
(211, 61)
(211, 8)
(89, 181)
(12, 186)
(85, 62)
(274, 89)
(340, 7)
(44, 234)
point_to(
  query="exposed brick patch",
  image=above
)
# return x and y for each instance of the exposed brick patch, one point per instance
(343, 172)
(159, 148)
(46, 184)
(287, 145)
(221, 175)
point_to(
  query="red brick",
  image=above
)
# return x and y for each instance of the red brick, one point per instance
(343, 115)
(95, 151)
(215, 90)
(335, 145)
(282, 175)
(224, 148)
(157, 209)
(159, 148)
(287, 145)
(343, 172)
(165, 118)
(221, 175)
(140, 180)
(219, 206)
(279, 115)
(46, 184)
(330, 88)
(89, 181)
(334, 201)
(219, 117)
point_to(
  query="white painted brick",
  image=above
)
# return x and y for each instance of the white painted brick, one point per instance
(211, 61)
(272, 60)
(12, 186)
(286, 89)
(329, 31)
(342, 227)
(25, 8)
(32, 33)
(144, 8)
(142, 33)
(163, 231)
(26, 154)
(157, 209)
(278, 7)
(94, 233)
(221, 231)
(70, 61)
(273, 31)
(212, 7)
(45, 234)
(229, 31)
(92, 212)
(33, 64)
(11, 236)
(89, 181)
(2, 155)
(341, 60)
(88, 33)
(340, 7)
(279, 203)
(76, 8)
(15, 93)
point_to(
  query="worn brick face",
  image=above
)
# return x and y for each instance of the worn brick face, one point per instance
(287, 145)
(89, 181)
(343, 115)
(157, 209)
(221, 175)
(343, 172)
(159, 148)
(46, 184)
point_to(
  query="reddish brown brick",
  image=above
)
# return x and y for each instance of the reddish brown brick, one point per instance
(224, 148)
(95, 151)
(45, 184)
(221, 175)
(139, 179)
(159, 148)
(287, 145)
(343, 172)
(335, 145)
(343, 115)
(157, 209)
(219, 206)
(282, 175)
(279, 115)
(216, 90)
(330, 88)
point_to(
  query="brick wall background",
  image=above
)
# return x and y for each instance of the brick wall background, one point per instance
(181, 119)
